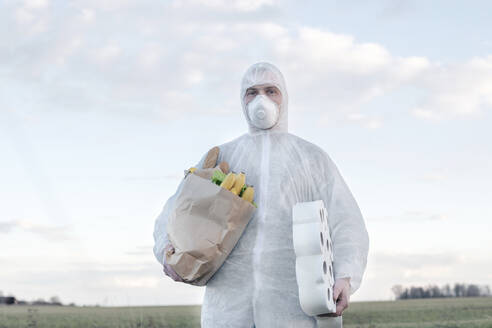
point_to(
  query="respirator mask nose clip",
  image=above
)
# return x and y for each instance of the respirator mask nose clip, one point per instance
(263, 112)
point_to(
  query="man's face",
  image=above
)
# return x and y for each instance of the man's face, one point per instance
(268, 90)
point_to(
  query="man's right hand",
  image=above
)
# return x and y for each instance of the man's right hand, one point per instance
(167, 268)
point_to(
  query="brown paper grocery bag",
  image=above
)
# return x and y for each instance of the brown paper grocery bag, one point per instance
(204, 227)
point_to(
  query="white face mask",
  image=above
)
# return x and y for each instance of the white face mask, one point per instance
(263, 112)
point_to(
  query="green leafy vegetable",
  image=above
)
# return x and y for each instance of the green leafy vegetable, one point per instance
(242, 190)
(217, 177)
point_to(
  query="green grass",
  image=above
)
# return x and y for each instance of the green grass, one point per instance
(470, 312)
(438, 313)
(100, 317)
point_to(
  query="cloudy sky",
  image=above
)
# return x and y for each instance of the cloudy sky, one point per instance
(104, 103)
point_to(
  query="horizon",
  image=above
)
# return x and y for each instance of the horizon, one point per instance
(452, 286)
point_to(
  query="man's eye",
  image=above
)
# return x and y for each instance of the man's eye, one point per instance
(272, 91)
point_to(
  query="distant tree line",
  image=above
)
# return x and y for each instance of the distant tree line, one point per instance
(431, 291)
(12, 300)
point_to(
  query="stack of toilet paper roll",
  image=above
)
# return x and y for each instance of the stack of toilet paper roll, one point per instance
(314, 258)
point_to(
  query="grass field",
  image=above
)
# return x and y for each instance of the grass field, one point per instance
(450, 313)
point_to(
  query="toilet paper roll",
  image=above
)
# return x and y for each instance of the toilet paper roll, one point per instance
(328, 271)
(314, 257)
(304, 244)
(326, 244)
(307, 211)
(312, 291)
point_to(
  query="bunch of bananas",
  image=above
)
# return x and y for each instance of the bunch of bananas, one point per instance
(235, 183)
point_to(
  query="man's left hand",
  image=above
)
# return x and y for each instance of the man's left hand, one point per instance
(341, 296)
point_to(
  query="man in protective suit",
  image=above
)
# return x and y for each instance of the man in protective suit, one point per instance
(256, 286)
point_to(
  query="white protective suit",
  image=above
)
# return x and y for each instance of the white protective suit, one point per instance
(256, 286)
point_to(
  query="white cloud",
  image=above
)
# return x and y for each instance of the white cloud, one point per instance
(151, 281)
(140, 250)
(108, 52)
(162, 63)
(32, 16)
(87, 15)
(92, 281)
(6, 227)
(152, 179)
(48, 232)
(67, 49)
(413, 215)
(24, 16)
(414, 261)
(172, 61)
(335, 52)
(194, 77)
(395, 9)
(35, 4)
(365, 120)
(434, 177)
(150, 55)
(456, 90)
(329, 70)
(386, 269)
(225, 5)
